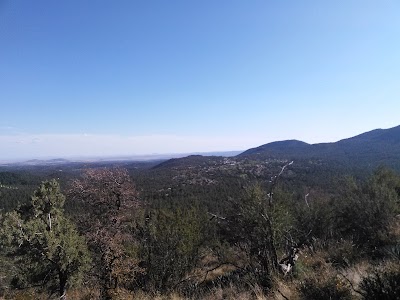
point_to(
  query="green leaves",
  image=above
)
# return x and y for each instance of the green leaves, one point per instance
(48, 199)
(171, 243)
(44, 244)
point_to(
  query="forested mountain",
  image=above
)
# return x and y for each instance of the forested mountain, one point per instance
(315, 164)
(367, 150)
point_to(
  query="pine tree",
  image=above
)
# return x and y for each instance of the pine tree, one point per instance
(45, 245)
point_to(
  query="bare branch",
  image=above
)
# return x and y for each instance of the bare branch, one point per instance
(306, 199)
(215, 216)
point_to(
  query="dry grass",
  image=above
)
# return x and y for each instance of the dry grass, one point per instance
(356, 273)
(285, 290)
(210, 268)
(233, 293)
(311, 266)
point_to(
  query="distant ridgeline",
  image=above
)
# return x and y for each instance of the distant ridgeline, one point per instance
(380, 147)
(218, 177)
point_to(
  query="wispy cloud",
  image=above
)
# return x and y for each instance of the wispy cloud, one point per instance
(11, 130)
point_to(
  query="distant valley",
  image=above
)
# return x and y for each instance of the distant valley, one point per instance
(367, 150)
(315, 166)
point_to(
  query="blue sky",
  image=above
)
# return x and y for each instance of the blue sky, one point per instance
(93, 77)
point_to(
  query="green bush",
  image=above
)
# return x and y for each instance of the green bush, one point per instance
(170, 246)
(364, 214)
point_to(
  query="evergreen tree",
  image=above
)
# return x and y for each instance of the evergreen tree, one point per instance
(43, 243)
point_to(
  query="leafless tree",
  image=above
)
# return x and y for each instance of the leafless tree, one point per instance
(110, 198)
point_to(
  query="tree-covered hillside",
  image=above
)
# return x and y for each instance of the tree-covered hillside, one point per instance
(365, 151)
(255, 226)
(198, 229)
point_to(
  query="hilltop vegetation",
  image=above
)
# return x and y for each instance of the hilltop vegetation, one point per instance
(365, 151)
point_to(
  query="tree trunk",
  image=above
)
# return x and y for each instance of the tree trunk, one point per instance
(62, 288)
(273, 261)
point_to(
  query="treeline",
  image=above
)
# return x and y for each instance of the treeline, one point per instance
(16, 188)
(103, 239)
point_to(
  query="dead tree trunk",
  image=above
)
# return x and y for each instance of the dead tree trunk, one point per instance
(62, 286)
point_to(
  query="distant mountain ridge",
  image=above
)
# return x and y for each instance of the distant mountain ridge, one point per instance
(278, 148)
(376, 147)
(364, 151)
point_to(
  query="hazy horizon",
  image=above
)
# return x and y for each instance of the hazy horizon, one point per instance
(103, 79)
(80, 155)
(114, 157)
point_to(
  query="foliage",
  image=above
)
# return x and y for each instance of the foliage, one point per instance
(16, 188)
(44, 244)
(364, 213)
(171, 241)
(164, 244)
(253, 230)
(316, 216)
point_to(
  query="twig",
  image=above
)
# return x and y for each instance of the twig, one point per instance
(351, 285)
(305, 199)
(215, 216)
(282, 294)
